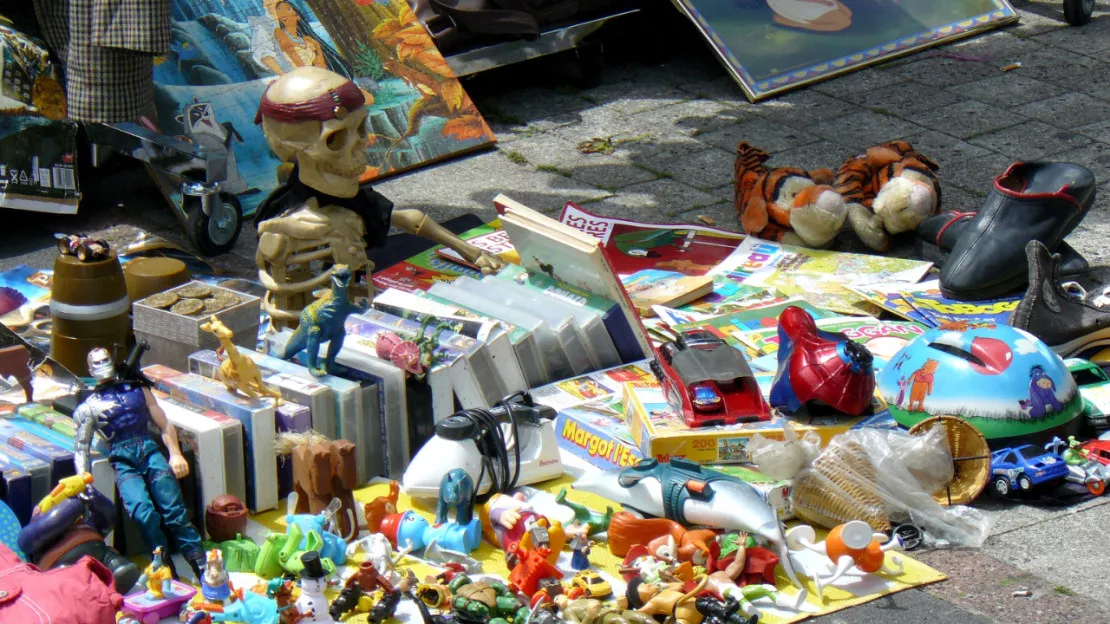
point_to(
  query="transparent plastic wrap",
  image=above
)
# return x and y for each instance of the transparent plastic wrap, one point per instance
(782, 460)
(887, 477)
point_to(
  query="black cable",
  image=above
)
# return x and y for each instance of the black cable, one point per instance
(494, 449)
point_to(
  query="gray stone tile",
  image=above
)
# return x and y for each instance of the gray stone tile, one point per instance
(726, 193)
(824, 154)
(554, 154)
(1099, 131)
(997, 48)
(692, 118)
(658, 200)
(943, 149)
(601, 122)
(531, 105)
(766, 135)
(632, 97)
(803, 108)
(967, 119)
(722, 88)
(976, 174)
(722, 215)
(954, 198)
(1058, 66)
(904, 99)
(1089, 40)
(945, 72)
(706, 169)
(1036, 22)
(1031, 140)
(870, 80)
(1095, 157)
(1008, 89)
(1089, 239)
(1069, 110)
(864, 129)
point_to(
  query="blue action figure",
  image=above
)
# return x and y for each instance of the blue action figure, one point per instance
(121, 410)
(322, 321)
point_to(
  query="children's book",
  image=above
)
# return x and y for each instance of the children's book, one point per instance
(730, 296)
(495, 242)
(728, 326)
(890, 296)
(439, 264)
(882, 338)
(946, 313)
(595, 386)
(568, 255)
(652, 287)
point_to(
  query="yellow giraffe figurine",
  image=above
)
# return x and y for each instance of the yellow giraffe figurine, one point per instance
(238, 372)
(158, 576)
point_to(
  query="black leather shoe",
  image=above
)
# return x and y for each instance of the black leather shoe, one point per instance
(937, 235)
(1064, 314)
(1038, 201)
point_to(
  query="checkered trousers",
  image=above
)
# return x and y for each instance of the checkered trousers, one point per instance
(108, 49)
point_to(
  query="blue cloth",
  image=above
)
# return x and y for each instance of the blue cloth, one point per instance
(129, 416)
(152, 497)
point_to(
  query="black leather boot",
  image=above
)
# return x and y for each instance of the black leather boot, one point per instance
(1030, 202)
(937, 235)
(1067, 315)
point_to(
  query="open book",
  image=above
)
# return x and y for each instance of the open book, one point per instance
(568, 255)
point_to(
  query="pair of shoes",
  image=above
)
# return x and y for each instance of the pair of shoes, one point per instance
(1072, 316)
(1039, 201)
(938, 234)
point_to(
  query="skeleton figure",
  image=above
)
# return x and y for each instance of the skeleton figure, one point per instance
(201, 125)
(316, 119)
(122, 411)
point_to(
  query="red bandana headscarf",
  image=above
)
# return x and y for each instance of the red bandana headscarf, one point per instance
(335, 104)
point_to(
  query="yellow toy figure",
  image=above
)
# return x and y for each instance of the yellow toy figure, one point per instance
(511, 520)
(67, 488)
(238, 372)
(158, 576)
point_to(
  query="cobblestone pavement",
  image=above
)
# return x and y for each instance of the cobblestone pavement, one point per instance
(674, 117)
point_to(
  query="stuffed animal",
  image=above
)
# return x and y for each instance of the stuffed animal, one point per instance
(888, 190)
(786, 204)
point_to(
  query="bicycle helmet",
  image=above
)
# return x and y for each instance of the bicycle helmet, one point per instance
(1004, 381)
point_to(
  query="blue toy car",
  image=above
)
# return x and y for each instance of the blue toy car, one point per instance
(1024, 467)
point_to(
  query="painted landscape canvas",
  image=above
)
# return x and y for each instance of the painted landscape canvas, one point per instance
(770, 46)
(225, 52)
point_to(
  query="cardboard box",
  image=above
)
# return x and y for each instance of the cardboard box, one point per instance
(661, 433)
(172, 337)
(596, 432)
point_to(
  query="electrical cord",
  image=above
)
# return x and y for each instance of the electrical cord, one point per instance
(493, 447)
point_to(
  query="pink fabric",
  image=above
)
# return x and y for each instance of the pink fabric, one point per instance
(84, 593)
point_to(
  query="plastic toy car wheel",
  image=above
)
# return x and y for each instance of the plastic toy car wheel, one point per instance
(214, 233)
(63, 246)
(1096, 488)
(1025, 483)
(83, 252)
(1078, 12)
(1002, 486)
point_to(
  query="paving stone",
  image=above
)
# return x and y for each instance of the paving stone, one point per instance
(726, 193)
(864, 129)
(1059, 67)
(1089, 238)
(723, 215)
(555, 154)
(1093, 38)
(813, 156)
(766, 135)
(803, 108)
(532, 105)
(704, 170)
(967, 119)
(904, 99)
(944, 149)
(723, 88)
(954, 198)
(1095, 157)
(1069, 110)
(1045, 18)
(999, 48)
(692, 118)
(1099, 131)
(1008, 89)
(658, 200)
(976, 174)
(945, 72)
(631, 97)
(870, 80)
(1031, 140)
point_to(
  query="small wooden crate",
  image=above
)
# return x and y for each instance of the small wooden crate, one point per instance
(173, 337)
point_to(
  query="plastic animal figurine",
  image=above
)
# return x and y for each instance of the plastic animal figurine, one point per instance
(15, 363)
(376, 510)
(238, 372)
(598, 523)
(158, 576)
(851, 545)
(593, 611)
(322, 321)
(323, 471)
(281, 552)
(313, 604)
(485, 601)
(456, 491)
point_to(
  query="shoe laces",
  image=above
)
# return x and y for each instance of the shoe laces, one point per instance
(1076, 291)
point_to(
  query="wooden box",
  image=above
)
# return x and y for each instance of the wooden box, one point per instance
(173, 337)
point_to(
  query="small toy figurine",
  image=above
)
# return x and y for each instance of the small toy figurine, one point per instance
(323, 470)
(86, 249)
(322, 321)
(508, 520)
(485, 602)
(280, 590)
(66, 489)
(225, 518)
(580, 543)
(376, 510)
(313, 604)
(532, 566)
(158, 576)
(214, 585)
(379, 553)
(456, 491)
(121, 410)
(848, 545)
(15, 362)
(282, 552)
(238, 372)
(414, 356)
(598, 523)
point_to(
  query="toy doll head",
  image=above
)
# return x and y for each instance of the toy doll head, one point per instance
(101, 366)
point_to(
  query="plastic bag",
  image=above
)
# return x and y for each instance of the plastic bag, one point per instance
(886, 477)
(782, 460)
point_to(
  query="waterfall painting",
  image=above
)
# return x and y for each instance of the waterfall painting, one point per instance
(771, 46)
(225, 52)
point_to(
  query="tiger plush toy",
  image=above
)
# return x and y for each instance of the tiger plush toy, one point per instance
(888, 190)
(786, 204)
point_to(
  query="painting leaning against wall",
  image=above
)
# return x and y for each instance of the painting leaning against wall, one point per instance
(770, 46)
(225, 52)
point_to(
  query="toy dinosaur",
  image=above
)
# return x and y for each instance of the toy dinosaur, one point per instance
(238, 372)
(456, 491)
(322, 321)
(597, 522)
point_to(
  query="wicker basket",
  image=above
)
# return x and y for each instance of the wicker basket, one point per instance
(847, 467)
(971, 459)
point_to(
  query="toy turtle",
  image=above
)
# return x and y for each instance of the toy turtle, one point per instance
(485, 602)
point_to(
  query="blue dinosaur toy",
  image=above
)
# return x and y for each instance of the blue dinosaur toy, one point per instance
(322, 321)
(456, 490)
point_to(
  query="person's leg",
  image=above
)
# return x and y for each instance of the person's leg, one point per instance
(166, 493)
(127, 460)
(53, 18)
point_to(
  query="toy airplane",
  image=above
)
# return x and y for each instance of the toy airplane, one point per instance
(690, 494)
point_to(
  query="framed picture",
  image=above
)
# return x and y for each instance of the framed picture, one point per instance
(771, 46)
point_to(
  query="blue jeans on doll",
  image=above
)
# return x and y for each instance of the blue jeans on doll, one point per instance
(152, 496)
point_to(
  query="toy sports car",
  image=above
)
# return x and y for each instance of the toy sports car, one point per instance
(1024, 467)
(708, 382)
(83, 247)
(1094, 386)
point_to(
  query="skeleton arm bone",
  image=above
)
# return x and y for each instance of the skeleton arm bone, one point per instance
(413, 221)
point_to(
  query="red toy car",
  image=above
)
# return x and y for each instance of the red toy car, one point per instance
(708, 382)
(1097, 450)
(83, 247)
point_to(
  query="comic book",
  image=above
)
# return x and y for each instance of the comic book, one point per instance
(730, 296)
(729, 326)
(889, 296)
(882, 338)
(633, 246)
(946, 313)
(651, 287)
